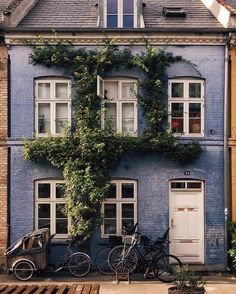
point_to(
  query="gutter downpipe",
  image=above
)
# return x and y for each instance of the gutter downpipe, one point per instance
(9, 155)
(226, 151)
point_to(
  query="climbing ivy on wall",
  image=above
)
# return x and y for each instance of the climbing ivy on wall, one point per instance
(86, 153)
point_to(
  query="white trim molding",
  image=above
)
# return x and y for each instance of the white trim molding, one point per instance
(124, 38)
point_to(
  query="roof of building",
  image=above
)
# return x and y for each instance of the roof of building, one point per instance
(62, 13)
(197, 15)
(84, 14)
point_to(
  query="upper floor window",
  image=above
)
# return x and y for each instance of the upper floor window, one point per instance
(120, 110)
(186, 107)
(49, 208)
(120, 208)
(53, 106)
(120, 13)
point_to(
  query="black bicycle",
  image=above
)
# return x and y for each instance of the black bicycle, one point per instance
(153, 260)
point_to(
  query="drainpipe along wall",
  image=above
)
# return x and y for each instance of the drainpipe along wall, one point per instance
(226, 150)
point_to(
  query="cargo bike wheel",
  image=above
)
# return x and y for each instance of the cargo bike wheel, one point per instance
(23, 270)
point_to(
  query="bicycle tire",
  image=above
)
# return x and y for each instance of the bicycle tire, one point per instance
(102, 263)
(23, 270)
(122, 260)
(165, 268)
(146, 267)
(79, 264)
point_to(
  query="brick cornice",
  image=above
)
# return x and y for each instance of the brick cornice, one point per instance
(120, 38)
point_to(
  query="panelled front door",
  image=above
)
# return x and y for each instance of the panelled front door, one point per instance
(187, 221)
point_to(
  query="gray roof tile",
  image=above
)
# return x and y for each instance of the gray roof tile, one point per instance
(197, 15)
(61, 13)
(84, 14)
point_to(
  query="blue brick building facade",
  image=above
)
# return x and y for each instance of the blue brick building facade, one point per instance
(153, 172)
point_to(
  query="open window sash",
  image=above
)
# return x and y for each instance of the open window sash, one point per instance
(100, 88)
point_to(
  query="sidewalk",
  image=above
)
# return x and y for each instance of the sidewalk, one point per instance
(216, 284)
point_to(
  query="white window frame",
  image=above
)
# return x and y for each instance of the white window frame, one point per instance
(186, 100)
(52, 101)
(186, 181)
(119, 201)
(100, 87)
(120, 13)
(119, 102)
(52, 201)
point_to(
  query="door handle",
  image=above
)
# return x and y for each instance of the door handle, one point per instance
(172, 223)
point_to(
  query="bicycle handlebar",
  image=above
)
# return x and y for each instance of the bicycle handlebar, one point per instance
(129, 230)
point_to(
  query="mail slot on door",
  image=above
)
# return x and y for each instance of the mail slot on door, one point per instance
(186, 241)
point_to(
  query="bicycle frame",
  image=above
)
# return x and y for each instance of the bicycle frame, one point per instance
(62, 265)
(147, 264)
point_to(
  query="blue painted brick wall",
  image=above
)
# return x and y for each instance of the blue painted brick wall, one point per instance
(153, 172)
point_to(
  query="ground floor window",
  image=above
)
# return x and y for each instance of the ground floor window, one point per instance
(120, 207)
(50, 205)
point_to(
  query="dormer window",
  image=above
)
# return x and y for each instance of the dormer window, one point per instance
(120, 13)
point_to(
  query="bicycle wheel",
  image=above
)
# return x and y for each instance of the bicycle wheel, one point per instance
(146, 266)
(23, 270)
(122, 259)
(102, 264)
(79, 264)
(165, 268)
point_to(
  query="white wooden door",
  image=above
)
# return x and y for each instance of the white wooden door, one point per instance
(187, 221)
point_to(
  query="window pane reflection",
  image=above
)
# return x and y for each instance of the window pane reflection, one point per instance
(111, 116)
(177, 90)
(62, 90)
(44, 211)
(60, 190)
(194, 118)
(127, 190)
(128, 118)
(109, 210)
(44, 91)
(128, 21)
(178, 185)
(112, 191)
(112, 21)
(177, 117)
(194, 90)
(61, 117)
(44, 118)
(44, 190)
(112, 7)
(128, 6)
